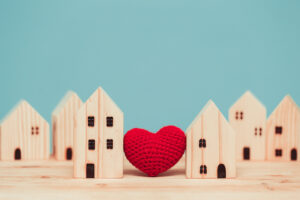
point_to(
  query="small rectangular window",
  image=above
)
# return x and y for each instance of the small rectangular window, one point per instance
(278, 129)
(91, 144)
(205, 169)
(278, 152)
(204, 143)
(109, 121)
(200, 143)
(109, 144)
(91, 121)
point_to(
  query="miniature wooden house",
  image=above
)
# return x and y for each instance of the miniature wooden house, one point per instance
(98, 139)
(248, 118)
(283, 132)
(24, 134)
(210, 151)
(63, 118)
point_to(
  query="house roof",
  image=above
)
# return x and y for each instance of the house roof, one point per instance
(22, 101)
(285, 100)
(209, 104)
(63, 102)
(103, 92)
(248, 96)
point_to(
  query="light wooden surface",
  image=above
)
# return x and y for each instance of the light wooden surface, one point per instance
(26, 130)
(219, 151)
(63, 118)
(108, 162)
(287, 116)
(53, 180)
(247, 117)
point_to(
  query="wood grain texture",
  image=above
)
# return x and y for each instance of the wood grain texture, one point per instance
(248, 118)
(63, 118)
(53, 180)
(24, 129)
(286, 117)
(219, 137)
(108, 163)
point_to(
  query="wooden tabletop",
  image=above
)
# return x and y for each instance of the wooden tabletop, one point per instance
(53, 180)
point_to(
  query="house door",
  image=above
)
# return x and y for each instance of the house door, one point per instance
(246, 153)
(294, 154)
(221, 171)
(69, 153)
(17, 154)
(90, 171)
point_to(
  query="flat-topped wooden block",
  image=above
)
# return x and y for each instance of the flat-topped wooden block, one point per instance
(210, 145)
(63, 118)
(53, 179)
(24, 134)
(248, 117)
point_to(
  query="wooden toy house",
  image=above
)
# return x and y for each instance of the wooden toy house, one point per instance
(283, 132)
(24, 134)
(210, 150)
(248, 118)
(63, 118)
(98, 139)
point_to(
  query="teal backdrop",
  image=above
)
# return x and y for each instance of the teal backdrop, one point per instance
(160, 60)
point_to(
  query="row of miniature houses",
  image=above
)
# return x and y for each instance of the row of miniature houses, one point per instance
(91, 134)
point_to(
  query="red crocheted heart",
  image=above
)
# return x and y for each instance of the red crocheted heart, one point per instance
(154, 153)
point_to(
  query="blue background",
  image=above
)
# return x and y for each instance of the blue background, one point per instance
(160, 60)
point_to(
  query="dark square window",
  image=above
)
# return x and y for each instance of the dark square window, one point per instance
(91, 121)
(109, 144)
(91, 144)
(278, 129)
(109, 121)
(204, 143)
(260, 131)
(278, 152)
(200, 143)
(205, 169)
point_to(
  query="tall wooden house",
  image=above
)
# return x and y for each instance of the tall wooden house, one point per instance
(283, 132)
(248, 118)
(210, 151)
(24, 134)
(98, 139)
(63, 118)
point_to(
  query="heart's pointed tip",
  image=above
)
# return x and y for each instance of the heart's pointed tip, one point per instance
(152, 175)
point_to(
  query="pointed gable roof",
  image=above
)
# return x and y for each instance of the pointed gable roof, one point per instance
(210, 105)
(14, 109)
(247, 97)
(64, 101)
(287, 100)
(100, 91)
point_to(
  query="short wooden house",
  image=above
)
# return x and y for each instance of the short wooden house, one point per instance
(248, 118)
(24, 134)
(98, 139)
(210, 151)
(283, 132)
(63, 118)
